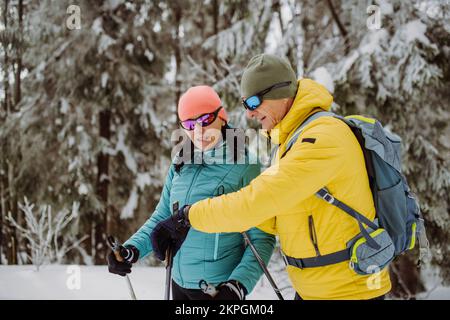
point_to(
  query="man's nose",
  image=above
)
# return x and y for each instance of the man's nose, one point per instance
(250, 113)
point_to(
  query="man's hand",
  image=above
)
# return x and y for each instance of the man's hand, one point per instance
(231, 290)
(121, 260)
(170, 232)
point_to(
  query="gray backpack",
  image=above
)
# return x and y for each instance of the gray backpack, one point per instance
(398, 222)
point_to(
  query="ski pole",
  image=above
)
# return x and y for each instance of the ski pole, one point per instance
(115, 246)
(169, 259)
(262, 265)
(168, 273)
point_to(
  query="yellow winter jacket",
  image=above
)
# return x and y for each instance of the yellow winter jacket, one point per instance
(281, 200)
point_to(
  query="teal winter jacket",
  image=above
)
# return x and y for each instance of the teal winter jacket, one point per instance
(213, 257)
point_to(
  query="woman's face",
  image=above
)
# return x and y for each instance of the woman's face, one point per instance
(205, 138)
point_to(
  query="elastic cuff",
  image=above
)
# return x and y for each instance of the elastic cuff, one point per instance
(134, 254)
(240, 290)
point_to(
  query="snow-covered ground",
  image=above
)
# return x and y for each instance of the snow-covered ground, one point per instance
(96, 283)
(91, 282)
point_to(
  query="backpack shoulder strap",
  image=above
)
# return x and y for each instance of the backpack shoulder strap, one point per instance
(299, 130)
(323, 193)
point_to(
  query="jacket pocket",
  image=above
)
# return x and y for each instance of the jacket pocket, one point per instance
(313, 235)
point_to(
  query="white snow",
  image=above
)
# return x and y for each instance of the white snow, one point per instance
(386, 7)
(129, 48)
(104, 79)
(128, 210)
(149, 55)
(122, 147)
(170, 75)
(415, 30)
(274, 35)
(143, 179)
(39, 70)
(83, 189)
(64, 282)
(322, 76)
(70, 141)
(433, 284)
(104, 42)
(97, 26)
(286, 11)
(64, 106)
(369, 45)
(157, 27)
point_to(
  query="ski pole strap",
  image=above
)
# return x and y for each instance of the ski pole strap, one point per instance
(319, 261)
(325, 195)
(208, 288)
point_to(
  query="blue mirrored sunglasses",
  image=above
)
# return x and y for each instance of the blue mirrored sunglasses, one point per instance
(253, 102)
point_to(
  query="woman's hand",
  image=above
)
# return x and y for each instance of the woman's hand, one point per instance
(170, 232)
(231, 290)
(120, 262)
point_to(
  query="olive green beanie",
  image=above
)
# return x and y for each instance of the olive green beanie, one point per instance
(265, 70)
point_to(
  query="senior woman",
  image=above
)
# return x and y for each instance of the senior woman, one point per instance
(219, 259)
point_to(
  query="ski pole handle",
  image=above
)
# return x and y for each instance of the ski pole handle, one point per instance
(115, 247)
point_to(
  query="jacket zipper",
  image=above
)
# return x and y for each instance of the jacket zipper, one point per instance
(216, 246)
(313, 235)
(192, 182)
(186, 201)
(220, 192)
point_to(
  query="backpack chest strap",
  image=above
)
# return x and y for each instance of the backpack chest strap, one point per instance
(319, 261)
(325, 195)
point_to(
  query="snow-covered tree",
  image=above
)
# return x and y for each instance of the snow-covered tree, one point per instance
(399, 74)
(95, 107)
(43, 232)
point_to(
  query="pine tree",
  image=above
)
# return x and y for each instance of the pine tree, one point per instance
(399, 75)
(12, 46)
(86, 114)
(91, 114)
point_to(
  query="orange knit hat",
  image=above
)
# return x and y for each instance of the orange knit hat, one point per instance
(199, 100)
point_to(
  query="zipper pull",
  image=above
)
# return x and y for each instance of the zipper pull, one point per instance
(313, 235)
(175, 207)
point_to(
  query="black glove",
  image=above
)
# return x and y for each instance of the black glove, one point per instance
(230, 290)
(121, 262)
(170, 232)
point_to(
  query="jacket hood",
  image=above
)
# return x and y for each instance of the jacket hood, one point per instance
(310, 96)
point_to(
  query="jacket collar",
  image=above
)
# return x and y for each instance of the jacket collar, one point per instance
(310, 96)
